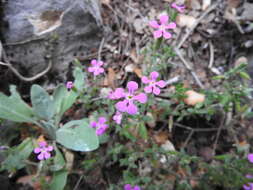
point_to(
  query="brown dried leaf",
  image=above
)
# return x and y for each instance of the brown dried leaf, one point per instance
(138, 72)
(161, 137)
(111, 78)
(105, 2)
(185, 20)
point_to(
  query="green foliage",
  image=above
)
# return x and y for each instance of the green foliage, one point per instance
(43, 104)
(77, 135)
(17, 156)
(59, 180)
(14, 108)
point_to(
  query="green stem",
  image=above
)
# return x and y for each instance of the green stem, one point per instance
(158, 43)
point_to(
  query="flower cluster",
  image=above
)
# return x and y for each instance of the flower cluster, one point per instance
(100, 126)
(129, 187)
(43, 150)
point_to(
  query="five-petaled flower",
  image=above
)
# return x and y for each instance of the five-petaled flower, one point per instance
(153, 86)
(96, 68)
(179, 8)
(162, 27)
(117, 117)
(100, 126)
(43, 150)
(129, 187)
(127, 104)
(69, 85)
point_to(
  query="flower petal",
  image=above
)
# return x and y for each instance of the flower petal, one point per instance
(132, 86)
(91, 69)
(158, 33)
(250, 158)
(166, 35)
(154, 75)
(47, 155)
(148, 89)
(40, 156)
(171, 25)
(37, 150)
(93, 62)
(117, 117)
(117, 94)
(100, 63)
(101, 120)
(93, 124)
(131, 108)
(121, 106)
(101, 70)
(161, 83)
(136, 188)
(127, 187)
(42, 143)
(142, 98)
(156, 90)
(145, 80)
(164, 19)
(154, 24)
(49, 148)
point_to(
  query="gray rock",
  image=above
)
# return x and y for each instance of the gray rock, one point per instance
(50, 30)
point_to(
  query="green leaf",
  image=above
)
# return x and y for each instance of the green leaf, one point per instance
(14, 108)
(143, 131)
(59, 161)
(59, 96)
(245, 75)
(77, 135)
(17, 156)
(70, 97)
(59, 180)
(43, 104)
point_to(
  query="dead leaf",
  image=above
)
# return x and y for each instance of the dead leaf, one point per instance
(111, 78)
(138, 72)
(185, 20)
(168, 146)
(161, 137)
(193, 98)
(206, 4)
(31, 180)
(41, 139)
(105, 2)
(240, 61)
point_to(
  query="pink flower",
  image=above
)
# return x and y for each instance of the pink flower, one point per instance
(250, 158)
(180, 8)
(43, 151)
(117, 117)
(100, 126)
(249, 186)
(69, 85)
(96, 68)
(153, 86)
(129, 187)
(162, 27)
(127, 104)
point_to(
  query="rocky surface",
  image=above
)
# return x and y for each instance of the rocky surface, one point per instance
(36, 32)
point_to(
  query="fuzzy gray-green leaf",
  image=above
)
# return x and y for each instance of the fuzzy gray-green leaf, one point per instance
(43, 105)
(77, 135)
